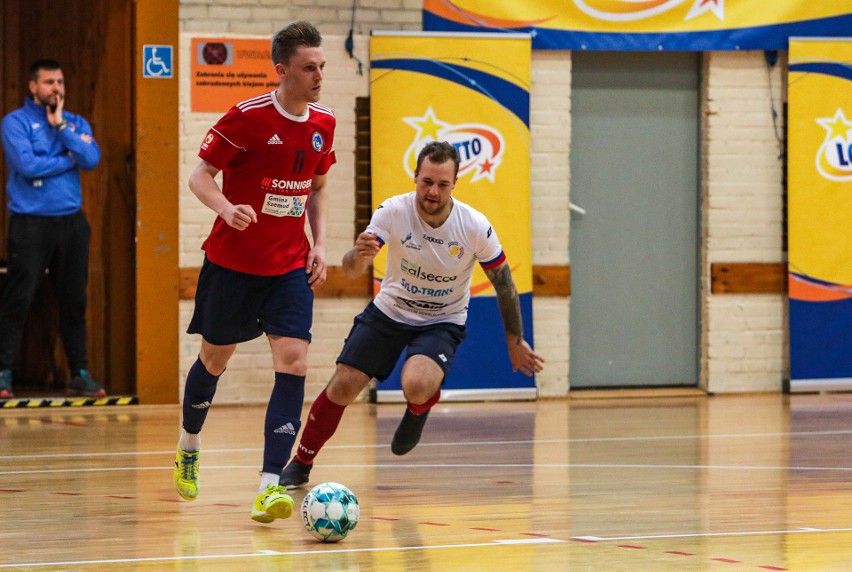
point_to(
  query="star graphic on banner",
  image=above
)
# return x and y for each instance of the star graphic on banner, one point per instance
(836, 126)
(485, 169)
(428, 126)
(702, 6)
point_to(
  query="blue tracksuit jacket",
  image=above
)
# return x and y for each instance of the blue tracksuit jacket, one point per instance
(45, 164)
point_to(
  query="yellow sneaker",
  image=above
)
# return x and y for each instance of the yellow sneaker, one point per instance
(272, 503)
(186, 473)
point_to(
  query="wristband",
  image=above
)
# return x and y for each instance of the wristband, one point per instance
(61, 125)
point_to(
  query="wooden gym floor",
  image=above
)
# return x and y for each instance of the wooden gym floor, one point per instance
(726, 483)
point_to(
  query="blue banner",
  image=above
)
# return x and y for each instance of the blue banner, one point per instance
(819, 209)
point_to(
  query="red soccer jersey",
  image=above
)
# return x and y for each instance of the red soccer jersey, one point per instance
(268, 158)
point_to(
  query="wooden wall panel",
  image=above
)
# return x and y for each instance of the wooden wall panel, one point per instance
(547, 281)
(10, 93)
(114, 114)
(551, 280)
(91, 40)
(156, 140)
(748, 277)
(363, 176)
(555, 280)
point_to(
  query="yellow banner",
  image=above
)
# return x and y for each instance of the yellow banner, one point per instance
(820, 208)
(646, 24)
(473, 92)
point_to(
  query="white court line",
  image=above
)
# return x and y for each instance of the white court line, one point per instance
(495, 544)
(455, 444)
(530, 541)
(711, 534)
(408, 548)
(432, 466)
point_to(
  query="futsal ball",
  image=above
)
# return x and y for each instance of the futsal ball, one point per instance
(330, 511)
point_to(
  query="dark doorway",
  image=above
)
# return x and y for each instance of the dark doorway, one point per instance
(92, 39)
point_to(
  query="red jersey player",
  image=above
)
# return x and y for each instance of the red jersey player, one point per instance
(259, 272)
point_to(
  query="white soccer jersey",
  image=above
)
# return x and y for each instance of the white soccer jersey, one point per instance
(429, 270)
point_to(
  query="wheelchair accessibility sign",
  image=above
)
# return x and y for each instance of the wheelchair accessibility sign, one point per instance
(157, 62)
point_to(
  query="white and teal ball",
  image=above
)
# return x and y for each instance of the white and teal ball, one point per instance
(330, 511)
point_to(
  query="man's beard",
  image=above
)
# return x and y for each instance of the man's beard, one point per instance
(46, 102)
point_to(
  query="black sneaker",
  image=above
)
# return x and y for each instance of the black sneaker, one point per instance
(408, 433)
(6, 384)
(294, 475)
(84, 385)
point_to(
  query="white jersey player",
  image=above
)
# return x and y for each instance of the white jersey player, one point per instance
(429, 270)
(433, 243)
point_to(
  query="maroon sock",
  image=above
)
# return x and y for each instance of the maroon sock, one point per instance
(424, 407)
(323, 419)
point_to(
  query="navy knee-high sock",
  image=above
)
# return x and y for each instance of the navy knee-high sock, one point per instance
(198, 395)
(283, 420)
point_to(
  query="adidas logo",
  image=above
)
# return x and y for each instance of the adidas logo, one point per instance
(204, 405)
(275, 140)
(288, 428)
(443, 358)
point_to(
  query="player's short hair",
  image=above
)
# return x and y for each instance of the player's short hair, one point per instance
(438, 152)
(287, 40)
(43, 64)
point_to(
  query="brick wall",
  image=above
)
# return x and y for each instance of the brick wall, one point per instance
(743, 337)
(550, 133)
(249, 376)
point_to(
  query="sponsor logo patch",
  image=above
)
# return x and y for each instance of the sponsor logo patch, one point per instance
(422, 304)
(284, 205)
(455, 249)
(270, 184)
(408, 243)
(286, 428)
(415, 270)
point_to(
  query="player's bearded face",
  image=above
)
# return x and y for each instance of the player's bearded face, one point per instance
(48, 88)
(434, 185)
(304, 73)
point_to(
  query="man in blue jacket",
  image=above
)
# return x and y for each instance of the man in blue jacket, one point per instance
(46, 147)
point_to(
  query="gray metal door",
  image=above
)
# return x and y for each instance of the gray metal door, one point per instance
(634, 253)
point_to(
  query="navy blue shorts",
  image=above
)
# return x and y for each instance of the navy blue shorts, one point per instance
(233, 307)
(375, 343)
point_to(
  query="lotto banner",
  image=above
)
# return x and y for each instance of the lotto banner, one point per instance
(472, 91)
(651, 25)
(819, 213)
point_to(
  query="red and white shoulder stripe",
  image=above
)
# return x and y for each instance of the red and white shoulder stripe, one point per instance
(226, 139)
(255, 102)
(320, 109)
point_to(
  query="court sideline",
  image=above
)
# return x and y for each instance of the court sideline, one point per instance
(749, 482)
